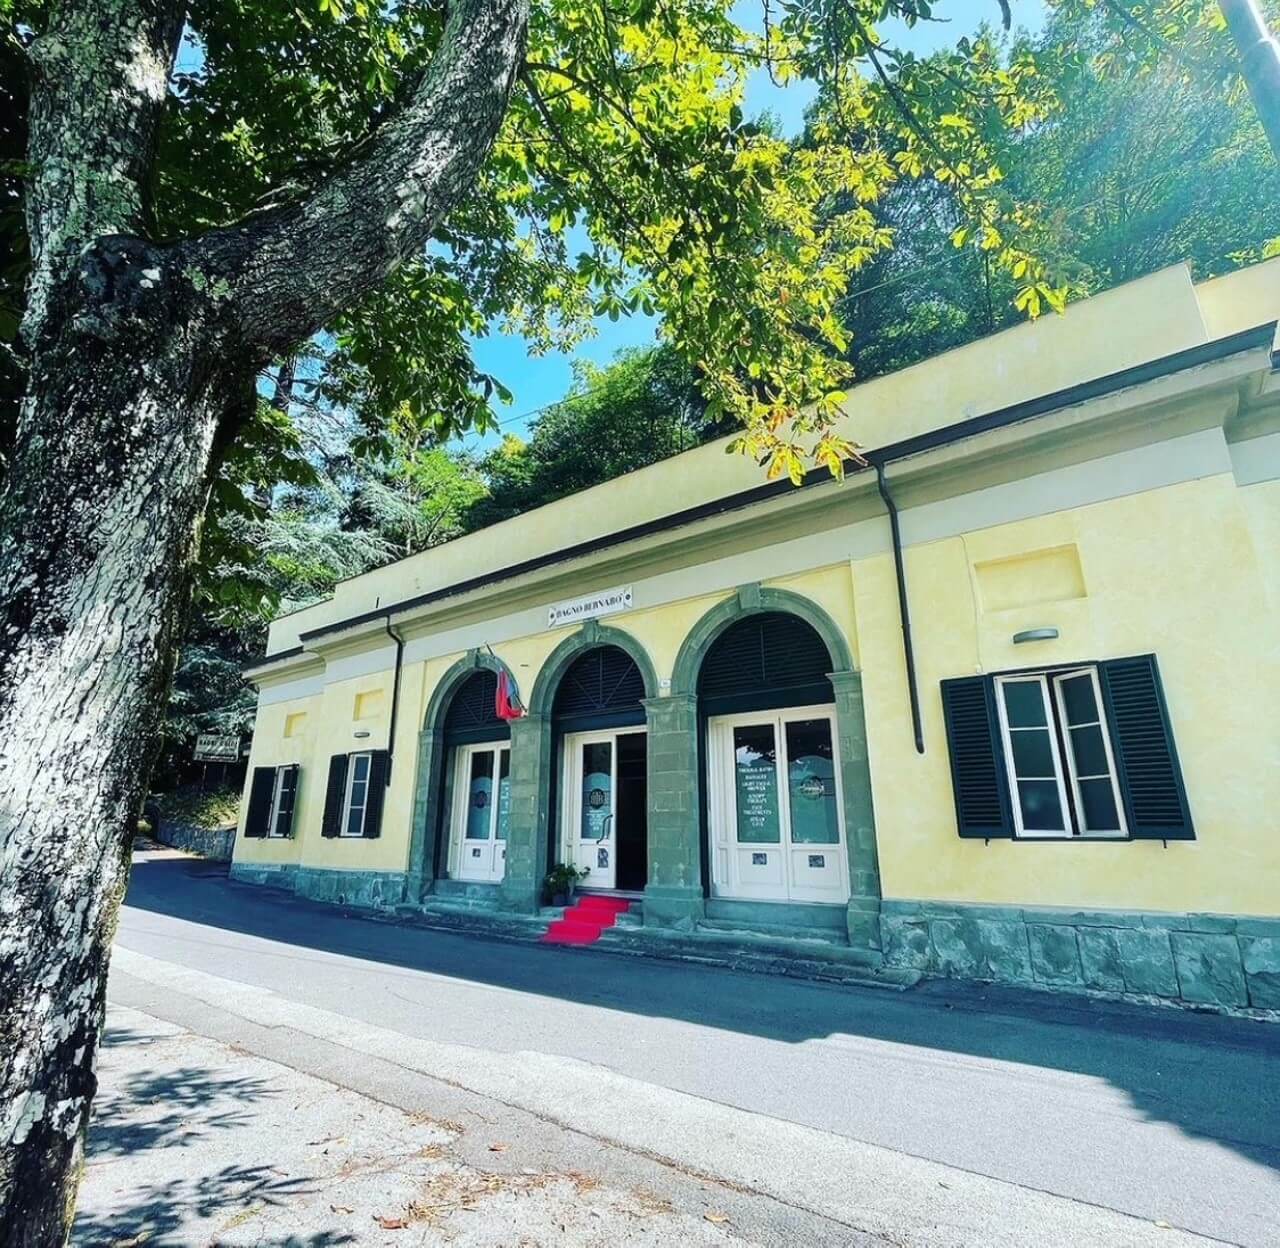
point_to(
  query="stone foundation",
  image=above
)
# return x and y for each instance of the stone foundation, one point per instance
(365, 890)
(1212, 960)
(266, 875)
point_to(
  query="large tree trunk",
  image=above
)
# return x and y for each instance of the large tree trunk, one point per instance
(141, 359)
(97, 530)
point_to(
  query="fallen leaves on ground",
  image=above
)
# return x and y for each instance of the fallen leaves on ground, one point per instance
(389, 1223)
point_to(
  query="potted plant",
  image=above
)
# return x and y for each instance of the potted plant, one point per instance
(560, 882)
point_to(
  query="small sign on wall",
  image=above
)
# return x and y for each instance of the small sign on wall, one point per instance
(574, 610)
(212, 747)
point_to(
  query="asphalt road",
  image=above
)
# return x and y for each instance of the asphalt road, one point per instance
(1166, 1116)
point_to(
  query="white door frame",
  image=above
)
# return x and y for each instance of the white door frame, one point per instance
(573, 848)
(480, 861)
(771, 871)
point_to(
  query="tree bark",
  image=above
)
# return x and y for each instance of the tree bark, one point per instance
(142, 361)
(98, 527)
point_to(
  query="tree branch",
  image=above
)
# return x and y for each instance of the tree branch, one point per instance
(99, 84)
(286, 273)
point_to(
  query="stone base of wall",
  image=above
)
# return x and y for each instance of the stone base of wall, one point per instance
(673, 906)
(212, 843)
(366, 890)
(1219, 961)
(266, 875)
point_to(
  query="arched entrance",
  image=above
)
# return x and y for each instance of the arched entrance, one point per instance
(598, 719)
(477, 797)
(754, 662)
(775, 823)
(461, 714)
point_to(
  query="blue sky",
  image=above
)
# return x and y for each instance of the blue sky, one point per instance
(535, 381)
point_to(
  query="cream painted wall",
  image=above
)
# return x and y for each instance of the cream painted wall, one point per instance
(331, 727)
(1175, 572)
(271, 748)
(1183, 571)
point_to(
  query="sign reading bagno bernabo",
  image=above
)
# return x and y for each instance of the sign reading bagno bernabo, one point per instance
(213, 747)
(589, 607)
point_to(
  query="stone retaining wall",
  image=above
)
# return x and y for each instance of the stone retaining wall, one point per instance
(1192, 959)
(213, 843)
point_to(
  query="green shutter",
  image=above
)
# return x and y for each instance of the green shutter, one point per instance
(379, 778)
(977, 760)
(335, 796)
(288, 801)
(260, 794)
(1155, 797)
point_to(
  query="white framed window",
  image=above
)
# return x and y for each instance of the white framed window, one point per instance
(283, 795)
(1090, 762)
(1057, 752)
(356, 805)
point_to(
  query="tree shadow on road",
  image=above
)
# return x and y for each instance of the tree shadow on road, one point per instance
(170, 1108)
(160, 1215)
(1156, 1057)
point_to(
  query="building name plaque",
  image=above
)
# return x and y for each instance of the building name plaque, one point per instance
(589, 608)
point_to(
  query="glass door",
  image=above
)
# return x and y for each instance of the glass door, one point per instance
(777, 831)
(590, 808)
(482, 810)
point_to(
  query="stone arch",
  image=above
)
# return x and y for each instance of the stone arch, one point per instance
(429, 802)
(453, 680)
(755, 600)
(685, 725)
(533, 759)
(588, 637)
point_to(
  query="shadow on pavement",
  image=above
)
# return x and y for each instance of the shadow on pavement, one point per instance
(158, 1213)
(1154, 1055)
(183, 1098)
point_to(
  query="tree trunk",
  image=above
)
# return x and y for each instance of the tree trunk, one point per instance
(98, 529)
(129, 395)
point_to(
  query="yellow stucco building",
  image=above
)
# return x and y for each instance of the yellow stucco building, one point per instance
(1003, 704)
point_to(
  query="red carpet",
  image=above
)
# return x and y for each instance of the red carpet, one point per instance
(584, 921)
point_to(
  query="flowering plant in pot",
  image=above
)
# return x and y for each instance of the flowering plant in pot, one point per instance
(561, 881)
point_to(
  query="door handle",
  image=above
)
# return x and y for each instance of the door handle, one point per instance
(607, 826)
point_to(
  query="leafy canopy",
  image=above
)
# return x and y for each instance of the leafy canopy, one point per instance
(626, 176)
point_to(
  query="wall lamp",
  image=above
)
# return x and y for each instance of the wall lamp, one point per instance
(1035, 634)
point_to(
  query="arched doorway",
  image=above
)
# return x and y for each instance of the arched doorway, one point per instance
(598, 718)
(477, 792)
(772, 769)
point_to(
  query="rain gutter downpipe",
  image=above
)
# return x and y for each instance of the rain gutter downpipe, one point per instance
(395, 695)
(903, 610)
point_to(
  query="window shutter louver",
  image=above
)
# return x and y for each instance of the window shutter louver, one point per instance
(1151, 783)
(977, 760)
(379, 773)
(602, 682)
(766, 660)
(261, 792)
(288, 801)
(473, 714)
(335, 796)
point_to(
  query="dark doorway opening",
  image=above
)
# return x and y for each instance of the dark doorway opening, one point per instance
(632, 812)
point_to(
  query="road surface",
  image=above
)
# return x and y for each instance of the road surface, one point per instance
(1169, 1118)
